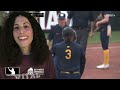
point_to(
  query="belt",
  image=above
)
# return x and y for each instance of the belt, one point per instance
(70, 72)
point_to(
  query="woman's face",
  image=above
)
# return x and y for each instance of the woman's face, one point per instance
(22, 32)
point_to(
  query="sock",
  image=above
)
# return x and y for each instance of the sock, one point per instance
(106, 57)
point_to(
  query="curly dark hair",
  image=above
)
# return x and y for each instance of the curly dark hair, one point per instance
(10, 53)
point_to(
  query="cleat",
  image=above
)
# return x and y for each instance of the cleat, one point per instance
(103, 66)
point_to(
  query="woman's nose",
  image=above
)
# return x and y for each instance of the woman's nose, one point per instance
(21, 30)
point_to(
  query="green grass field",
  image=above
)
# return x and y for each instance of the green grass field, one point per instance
(96, 39)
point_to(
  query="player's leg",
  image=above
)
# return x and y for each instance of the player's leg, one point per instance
(105, 42)
(78, 32)
(83, 38)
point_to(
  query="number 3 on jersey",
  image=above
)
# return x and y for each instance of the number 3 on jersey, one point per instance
(68, 56)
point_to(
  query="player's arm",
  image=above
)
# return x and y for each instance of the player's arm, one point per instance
(49, 43)
(53, 52)
(109, 30)
(75, 36)
(50, 38)
(103, 21)
(70, 15)
(92, 24)
(82, 61)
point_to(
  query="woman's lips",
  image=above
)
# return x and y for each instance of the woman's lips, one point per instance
(22, 38)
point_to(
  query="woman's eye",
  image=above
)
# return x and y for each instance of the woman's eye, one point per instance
(15, 28)
(26, 26)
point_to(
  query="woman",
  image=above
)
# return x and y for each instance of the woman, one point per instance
(23, 45)
(105, 32)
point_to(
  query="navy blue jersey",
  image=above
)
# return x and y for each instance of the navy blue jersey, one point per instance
(56, 34)
(81, 18)
(68, 57)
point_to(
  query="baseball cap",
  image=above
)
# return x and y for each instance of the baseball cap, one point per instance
(61, 16)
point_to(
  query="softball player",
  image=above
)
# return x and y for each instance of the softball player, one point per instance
(68, 56)
(105, 28)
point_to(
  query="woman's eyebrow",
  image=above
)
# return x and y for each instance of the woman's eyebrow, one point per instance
(23, 23)
(26, 23)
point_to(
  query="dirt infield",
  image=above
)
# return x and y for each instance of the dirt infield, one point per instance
(94, 56)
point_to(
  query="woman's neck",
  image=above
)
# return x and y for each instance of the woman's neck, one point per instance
(25, 50)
